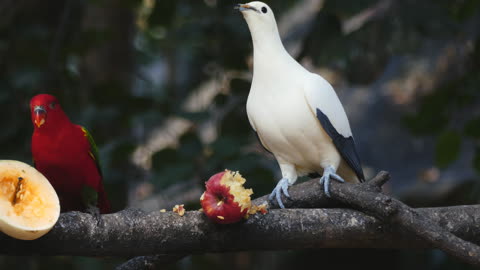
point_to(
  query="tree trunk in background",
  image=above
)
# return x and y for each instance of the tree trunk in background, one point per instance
(108, 65)
(106, 71)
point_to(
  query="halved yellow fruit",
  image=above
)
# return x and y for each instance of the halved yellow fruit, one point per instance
(29, 206)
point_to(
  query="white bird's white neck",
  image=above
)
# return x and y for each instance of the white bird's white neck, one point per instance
(268, 49)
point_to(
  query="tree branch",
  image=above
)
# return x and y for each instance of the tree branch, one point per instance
(399, 214)
(167, 233)
(368, 199)
(174, 236)
(309, 194)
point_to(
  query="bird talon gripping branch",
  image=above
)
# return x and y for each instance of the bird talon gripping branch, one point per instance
(329, 173)
(282, 187)
(296, 114)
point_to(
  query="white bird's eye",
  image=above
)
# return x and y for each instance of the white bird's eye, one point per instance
(264, 9)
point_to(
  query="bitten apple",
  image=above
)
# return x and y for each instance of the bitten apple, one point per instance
(225, 199)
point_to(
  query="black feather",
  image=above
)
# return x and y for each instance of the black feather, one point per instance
(346, 146)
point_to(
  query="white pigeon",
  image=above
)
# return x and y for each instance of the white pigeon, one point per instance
(295, 113)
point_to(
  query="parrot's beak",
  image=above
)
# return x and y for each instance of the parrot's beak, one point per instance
(244, 7)
(40, 115)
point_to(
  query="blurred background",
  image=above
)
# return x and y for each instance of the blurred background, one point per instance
(162, 87)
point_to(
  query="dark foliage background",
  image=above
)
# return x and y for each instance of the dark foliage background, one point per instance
(162, 87)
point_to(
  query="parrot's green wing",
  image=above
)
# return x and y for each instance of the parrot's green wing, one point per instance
(93, 152)
(89, 196)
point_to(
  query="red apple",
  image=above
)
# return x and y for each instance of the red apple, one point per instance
(225, 199)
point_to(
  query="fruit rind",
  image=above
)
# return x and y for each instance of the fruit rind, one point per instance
(29, 206)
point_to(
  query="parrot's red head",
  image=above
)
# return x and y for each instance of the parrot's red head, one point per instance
(43, 107)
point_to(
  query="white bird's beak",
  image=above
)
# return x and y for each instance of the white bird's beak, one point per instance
(245, 7)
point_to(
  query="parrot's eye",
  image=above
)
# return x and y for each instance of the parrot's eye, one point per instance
(264, 9)
(53, 105)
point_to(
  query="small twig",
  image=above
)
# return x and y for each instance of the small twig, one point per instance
(380, 179)
(356, 22)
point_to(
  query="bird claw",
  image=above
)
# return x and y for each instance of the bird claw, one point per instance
(282, 187)
(329, 173)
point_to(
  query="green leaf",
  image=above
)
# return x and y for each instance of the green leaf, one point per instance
(472, 128)
(433, 114)
(195, 116)
(89, 196)
(167, 156)
(190, 147)
(447, 148)
(225, 147)
(171, 174)
(476, 160)
(462, 10)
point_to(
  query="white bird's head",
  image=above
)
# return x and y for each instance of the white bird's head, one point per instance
(261, 21)
(257, 14)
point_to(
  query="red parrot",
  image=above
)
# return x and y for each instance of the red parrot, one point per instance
(67, 155)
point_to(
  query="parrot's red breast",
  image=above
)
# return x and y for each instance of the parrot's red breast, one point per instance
(66, 154)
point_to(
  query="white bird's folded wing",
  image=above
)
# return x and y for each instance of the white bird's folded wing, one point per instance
(326, 107)
(256, 134)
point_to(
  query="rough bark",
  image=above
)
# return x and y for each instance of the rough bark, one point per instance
(393, 212)
(388, 224)
(135, 233)
(369, 199)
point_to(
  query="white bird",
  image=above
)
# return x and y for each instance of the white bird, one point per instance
(295, 113)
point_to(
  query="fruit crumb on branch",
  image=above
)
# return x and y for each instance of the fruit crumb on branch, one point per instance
(179, 209)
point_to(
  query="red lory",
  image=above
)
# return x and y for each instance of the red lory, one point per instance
(67, 155)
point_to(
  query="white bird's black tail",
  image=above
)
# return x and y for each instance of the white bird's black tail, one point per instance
(345, 146)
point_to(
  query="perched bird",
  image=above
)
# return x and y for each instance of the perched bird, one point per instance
(296, 114)
(67, 155)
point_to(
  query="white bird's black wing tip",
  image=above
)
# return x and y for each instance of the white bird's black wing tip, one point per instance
(344, 145)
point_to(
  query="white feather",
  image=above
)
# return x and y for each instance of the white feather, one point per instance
(319, 94)
(282, 103)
